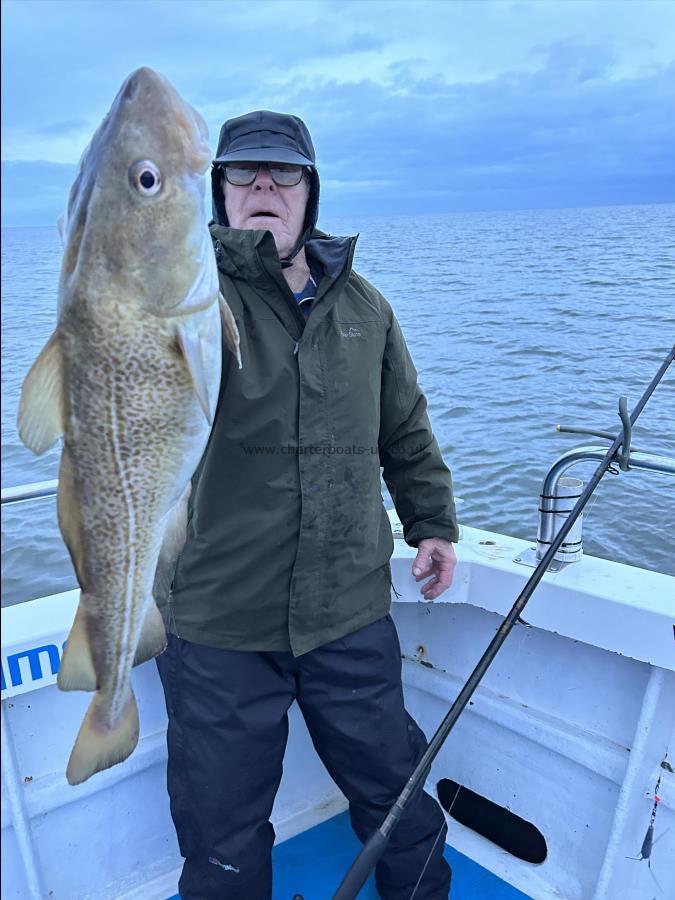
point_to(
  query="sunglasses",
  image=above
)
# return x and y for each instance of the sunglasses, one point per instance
(245, 173)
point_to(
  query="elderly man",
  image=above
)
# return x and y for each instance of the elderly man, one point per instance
(282, 591)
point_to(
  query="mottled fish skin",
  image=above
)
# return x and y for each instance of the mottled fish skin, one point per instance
(130, 378)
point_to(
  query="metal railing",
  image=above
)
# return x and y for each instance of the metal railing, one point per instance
(34, 491)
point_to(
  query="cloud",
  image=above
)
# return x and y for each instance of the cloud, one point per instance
(67, 127)
(575, 63)
(412, 106)
(524, 122)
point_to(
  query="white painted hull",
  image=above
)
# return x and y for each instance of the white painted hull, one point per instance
(569, 730)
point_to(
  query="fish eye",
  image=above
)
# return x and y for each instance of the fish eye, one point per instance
(145, 177)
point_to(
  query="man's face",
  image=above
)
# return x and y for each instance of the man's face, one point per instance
(267, 205)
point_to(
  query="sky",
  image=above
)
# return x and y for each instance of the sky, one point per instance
(429, 106)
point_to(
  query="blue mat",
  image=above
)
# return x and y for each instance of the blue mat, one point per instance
(312, 865)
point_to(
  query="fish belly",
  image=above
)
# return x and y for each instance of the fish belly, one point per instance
(134, 436)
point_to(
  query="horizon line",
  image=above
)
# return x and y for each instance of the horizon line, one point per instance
(447, 212)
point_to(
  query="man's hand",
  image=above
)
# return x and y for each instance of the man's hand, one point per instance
(435, 557)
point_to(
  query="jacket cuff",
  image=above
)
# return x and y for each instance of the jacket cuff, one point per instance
(418, 531)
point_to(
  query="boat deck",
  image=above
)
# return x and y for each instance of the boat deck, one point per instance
(303, 868)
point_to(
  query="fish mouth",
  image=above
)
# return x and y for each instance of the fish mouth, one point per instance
(263, 214)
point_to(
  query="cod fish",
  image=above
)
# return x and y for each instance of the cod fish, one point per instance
(130, 379)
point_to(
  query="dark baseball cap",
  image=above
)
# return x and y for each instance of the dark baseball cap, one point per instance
(265, 136)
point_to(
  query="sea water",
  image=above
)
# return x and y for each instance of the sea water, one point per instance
(516, 321)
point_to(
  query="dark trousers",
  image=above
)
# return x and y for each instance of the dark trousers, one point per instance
(227, 732)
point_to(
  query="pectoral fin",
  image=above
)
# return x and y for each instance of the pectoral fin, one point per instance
(230, 330)
(40, 418)
(190, 343)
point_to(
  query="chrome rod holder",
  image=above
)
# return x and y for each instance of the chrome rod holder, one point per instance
(551, 514)
(554, 509)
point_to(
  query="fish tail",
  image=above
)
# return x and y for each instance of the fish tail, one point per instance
(100, 743)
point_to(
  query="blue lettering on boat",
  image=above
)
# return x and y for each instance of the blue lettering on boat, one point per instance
(35, 661)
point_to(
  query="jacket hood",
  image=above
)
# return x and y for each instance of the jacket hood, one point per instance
(267, 136)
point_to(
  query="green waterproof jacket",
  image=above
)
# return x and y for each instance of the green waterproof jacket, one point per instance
(288, 541)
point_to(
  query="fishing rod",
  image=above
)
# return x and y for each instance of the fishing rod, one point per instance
(371, 852)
